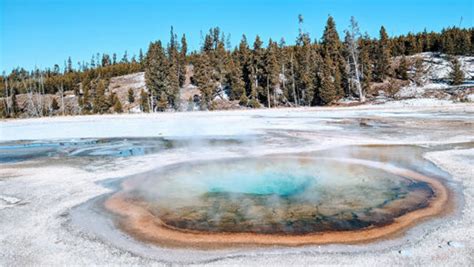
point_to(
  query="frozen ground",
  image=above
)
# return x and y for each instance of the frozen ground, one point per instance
(37, 196)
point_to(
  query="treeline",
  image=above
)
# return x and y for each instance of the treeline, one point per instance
(307, 73)
(310, 72)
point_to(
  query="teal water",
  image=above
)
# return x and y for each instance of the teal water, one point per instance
(278, 195)
(262, 183)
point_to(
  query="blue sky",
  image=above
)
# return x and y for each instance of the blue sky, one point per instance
(45, 32)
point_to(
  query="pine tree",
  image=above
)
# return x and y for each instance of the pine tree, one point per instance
(131, 96)
(86, 104)
(254, 99)
(162, 104)
(157, 71)
(304, 67)
(117, 104)
(366, 63)
(327, 91)
(174, 70)
(141, 58)
(101, 104)
(14, 108)
(3, 108)
(234, 78)
(402, 70)
(456, 74)
(245, 62)
(331, 46)
(54, 104)
(382, 69)
(420, 71)
(244, 101)
(144, 104)
(272, 71)
(125, 57)
(258, 66)
(203, 72)
(183, 60)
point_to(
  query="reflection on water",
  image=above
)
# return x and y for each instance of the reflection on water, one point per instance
(278, 195)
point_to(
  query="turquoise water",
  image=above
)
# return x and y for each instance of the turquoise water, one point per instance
(262, 183)
(278, 195)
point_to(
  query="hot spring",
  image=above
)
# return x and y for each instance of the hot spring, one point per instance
(274, 200)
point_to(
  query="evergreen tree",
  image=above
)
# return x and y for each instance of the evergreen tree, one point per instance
(402, 70)
(3, 109)
(272, 71)
(85, 103)
(131, 96)
(366, 63)
(174, 70)
(183, 60)
(162, 104)
(105, 60)
(92, 62)
(144, 104)
(304, 67)
(203, 72)
(382, 69)
(112, 99)
(245, 62)
(54, 104)
(69, 65)
(244, 101)
(235, 82)
(117, 104)
(331, 46)
(419, 71)
(141, 58)
(327, 92)
(456, 74)
(101, 105)
(125, 57)
(254, 99)
(157, 72)
(258, 66)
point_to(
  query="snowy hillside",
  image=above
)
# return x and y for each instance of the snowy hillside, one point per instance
(437, 68)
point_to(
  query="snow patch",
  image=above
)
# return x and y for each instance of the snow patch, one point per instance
(419, 102)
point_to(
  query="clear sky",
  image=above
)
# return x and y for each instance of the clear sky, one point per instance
(45, 32)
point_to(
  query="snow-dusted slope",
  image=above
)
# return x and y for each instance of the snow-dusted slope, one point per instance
(437, 68)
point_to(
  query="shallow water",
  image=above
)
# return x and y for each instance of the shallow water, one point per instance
(287, 195)
(19, 151)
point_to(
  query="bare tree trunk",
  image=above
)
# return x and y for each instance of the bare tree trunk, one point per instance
(357, 76)
(293, 80)
(353, 39)
(274, 97)
(268, 93)
(29, 93)
(7, 102)
(62, 100)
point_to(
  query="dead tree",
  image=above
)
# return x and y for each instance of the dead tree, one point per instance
(352, 43)
(293, 80)
(7, 99)
(61, 91)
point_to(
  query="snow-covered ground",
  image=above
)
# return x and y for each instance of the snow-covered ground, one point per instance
(437, 69)
(37, 196)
